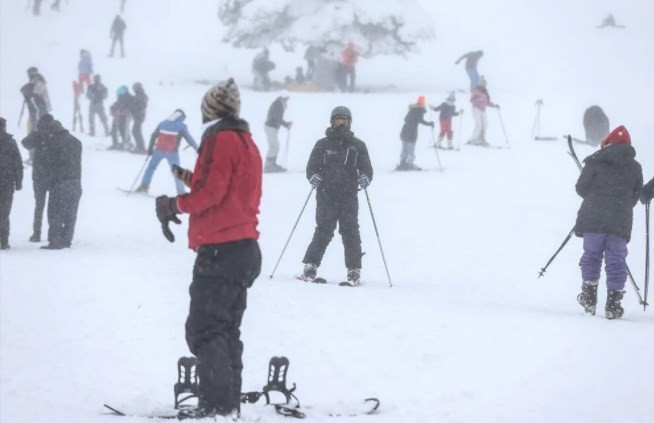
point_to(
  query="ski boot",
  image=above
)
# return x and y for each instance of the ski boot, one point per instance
(402, 166)
(272, 166)
(613, 308)
(588, 296)
(354, 277)
(449, 145)
(200, 411)
(35, 237)
(310, 272)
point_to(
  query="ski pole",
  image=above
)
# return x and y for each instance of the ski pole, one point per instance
(381, 249)
(565, 241)
(458, 139)
(646, 255)
(292, 231)
(288, 141)
(131, 189)
(433, 137)
(22, 111)
(506, 137)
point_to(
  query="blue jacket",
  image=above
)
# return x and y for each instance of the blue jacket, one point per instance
(85, 64)
(447, 110)
(169, 134)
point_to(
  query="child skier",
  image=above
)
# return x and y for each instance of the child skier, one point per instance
(164, 144)
(448, 110)
(409, 134)
(338, 165)
(85, 69)
(610, 185)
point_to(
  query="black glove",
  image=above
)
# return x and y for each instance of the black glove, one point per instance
(644, 198)
(19, 186)
(315, 180)
(431, 124)
(166, 212)
(364, 181)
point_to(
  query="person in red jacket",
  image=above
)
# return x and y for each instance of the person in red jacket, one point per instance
(223, 205)
(348, 67)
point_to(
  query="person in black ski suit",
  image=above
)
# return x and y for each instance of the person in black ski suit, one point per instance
(647, 193)
(274, 121)
(36, 97)
(137, 107)
(97, 94)
(338, 165)
(116, 34)
(66, 189)
(11, 179)
(38, 142)
(409, 134)
(610, 184)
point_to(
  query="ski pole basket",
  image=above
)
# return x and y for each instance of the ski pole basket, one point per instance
(187, 380)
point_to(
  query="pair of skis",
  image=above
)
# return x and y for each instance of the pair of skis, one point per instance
(322, 281)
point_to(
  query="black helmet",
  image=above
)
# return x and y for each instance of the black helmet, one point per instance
(341, 111)
(32, 70)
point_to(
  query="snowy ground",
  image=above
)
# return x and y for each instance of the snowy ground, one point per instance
(467, 333)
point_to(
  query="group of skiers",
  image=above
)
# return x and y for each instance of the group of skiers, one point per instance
(56, 174)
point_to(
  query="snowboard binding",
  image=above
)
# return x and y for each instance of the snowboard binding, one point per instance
(277, 370)
(187, 380)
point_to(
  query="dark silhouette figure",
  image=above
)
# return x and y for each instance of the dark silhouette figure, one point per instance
(117, 32)
(609, 21)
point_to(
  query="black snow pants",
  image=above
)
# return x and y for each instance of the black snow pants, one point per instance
(6, 199)
(221, 276)
(41, 189)
(330, 210)
(137, 131)
(62, 211)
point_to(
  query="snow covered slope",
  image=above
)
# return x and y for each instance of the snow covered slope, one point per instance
(467, 333)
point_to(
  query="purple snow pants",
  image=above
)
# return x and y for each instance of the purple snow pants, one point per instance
(614, 250)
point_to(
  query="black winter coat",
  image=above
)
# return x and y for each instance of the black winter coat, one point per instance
(96, 93)
(37, 140)
(414, 117)
(138, 104)
(339, 159)
(66, 154)
(610, 185)
(448, 110)
(276, 114)
(11, 164)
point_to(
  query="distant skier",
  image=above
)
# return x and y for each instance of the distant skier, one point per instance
(11, 179)
(96, 94)
(472, 58)
(273, 122)
(77, 111)
(447, 110)
(223, 206)
(609, 22)
(85, 69)
(36, 97)
(120, 122)
(164, 144)
(36, 7)
(65, 153)
(480, 100)
(138, 106)
(610, 184)
(311, 56)
(117, 34)
(300, 79)
(122, 6)
(647, 193)
(261, 67)
(339, 164)
(409, 134)
(596, 125)
(349, 59)
(37, 142)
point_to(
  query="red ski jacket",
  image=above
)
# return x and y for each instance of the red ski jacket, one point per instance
(225, 188)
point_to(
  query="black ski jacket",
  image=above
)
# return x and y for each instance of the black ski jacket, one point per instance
(66, 154)
(138, 104)
(11, 164)
(448, 110)
(276, 114)
(37, 140)
(96, 93)
(610, 185)
(339, 159)
(414, 117)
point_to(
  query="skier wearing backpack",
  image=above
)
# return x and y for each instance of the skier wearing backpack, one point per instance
(409, 134)
(339, 164)
(610, 185)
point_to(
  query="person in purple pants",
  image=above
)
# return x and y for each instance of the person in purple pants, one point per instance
(610, 185)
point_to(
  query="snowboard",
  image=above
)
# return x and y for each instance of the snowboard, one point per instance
(342, 409)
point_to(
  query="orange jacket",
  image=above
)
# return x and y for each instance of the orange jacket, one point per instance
(350, 56)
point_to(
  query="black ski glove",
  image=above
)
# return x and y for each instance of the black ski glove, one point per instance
(315, 180)
(19, 186)
(364, 181)
(166, 212)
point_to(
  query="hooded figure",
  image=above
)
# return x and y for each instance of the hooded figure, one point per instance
(11, 179)
(138, 105)
(339, 164)
(164, 144)
(120, 123)
(610, 184)
(409, 134)
(97, 93)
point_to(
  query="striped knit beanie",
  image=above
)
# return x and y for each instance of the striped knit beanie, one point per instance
(221, 100)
